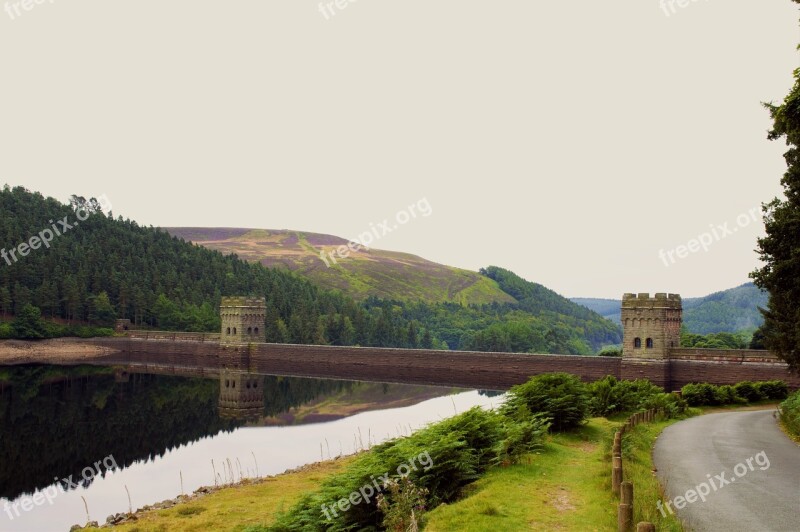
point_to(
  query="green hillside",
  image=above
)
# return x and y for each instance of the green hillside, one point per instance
(107, 268)
(731, 310)
(363, 273)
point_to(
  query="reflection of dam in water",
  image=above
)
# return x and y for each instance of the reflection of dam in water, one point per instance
(165, 424)
(258, 399)
(241, 395)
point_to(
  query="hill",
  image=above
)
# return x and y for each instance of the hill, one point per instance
(731, 310)
(363, 273)
(107, 268)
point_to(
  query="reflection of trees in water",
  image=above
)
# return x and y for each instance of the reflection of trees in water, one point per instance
(283, 393)
(55, 421)
(490, 393)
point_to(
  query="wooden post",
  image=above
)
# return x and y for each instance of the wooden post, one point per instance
(645, 527)
(625, 512)
(616, 474)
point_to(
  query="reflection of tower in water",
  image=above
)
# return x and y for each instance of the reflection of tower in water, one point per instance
(241, 395)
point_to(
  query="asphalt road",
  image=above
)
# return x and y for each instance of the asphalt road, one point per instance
(703, 454)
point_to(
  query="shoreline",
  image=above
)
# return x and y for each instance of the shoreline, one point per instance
(151, 511)
(51, 351)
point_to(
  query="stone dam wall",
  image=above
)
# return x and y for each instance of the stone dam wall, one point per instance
(497, 371)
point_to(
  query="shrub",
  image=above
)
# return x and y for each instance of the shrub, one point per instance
(748, 391)
(524, 434)
(790, 413)
(403, 506)
(609, 396)
(699, 394)
(6, 331)
(726, 395)
(561, 397)
(459, 448)
(672, 404)
(611, 351)
(705, 394)
(777, 390)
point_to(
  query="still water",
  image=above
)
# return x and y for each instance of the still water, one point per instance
(100, 435)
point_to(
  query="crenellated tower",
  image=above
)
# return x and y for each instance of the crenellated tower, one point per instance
(651, 325)
(243, 320)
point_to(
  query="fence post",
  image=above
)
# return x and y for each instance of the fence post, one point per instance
(625, 512)
(616, 474)
(644, 526)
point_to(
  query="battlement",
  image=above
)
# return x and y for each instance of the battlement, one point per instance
(660, 300)
(242, 301)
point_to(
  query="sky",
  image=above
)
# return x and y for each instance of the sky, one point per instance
(593, 147)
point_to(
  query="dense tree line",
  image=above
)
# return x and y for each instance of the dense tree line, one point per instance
(107, 268)
(780, 248)
(722, 340)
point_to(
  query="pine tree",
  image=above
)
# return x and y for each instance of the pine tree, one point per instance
(780, 248)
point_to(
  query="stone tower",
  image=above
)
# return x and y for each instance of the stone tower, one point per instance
(243, 320)
(651, 325)
(241, 395)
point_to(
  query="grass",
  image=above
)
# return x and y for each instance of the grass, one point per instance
(638, 468)
(564, 487)
(567, 487)
(238, 507)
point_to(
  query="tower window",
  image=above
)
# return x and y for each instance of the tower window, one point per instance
(256, 330)
(649, 343)
(229, 331)
(637, 343)
(234, 330)
(249, 330)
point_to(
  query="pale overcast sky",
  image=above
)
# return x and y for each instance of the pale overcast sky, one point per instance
(567, 141)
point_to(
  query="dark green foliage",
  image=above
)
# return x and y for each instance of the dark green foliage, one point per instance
(758, 341)
(729, 311)
(524, 433)
(790, 413)
(459, 450)
(722, 340)
(611, 351)
(101, 311)
(777, 390)
(610, 396)
(726, 395)
(29, 324)
(542, 302)
(748, 391)
(780, 248)
(560, 397)
(112, 268)
(699, 394)
(672, 404)
(705, 394)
